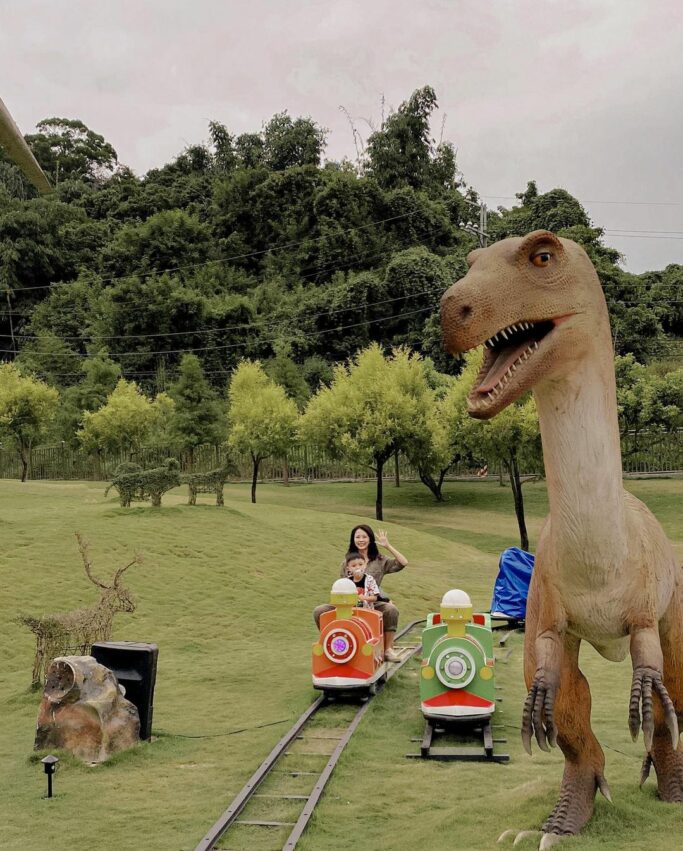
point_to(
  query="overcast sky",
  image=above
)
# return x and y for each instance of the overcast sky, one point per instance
(582, 94)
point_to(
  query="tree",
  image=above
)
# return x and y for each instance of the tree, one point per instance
(374, 407)
(399, 153)
(512, 438)
(26, 408)
(288, 143)
(262, 418)
(66, 148)
(447, 422)
(649, 406)
(125, 421)
(197, 412)
(99, 378)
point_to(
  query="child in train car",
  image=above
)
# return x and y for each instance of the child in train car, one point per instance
(368, 590)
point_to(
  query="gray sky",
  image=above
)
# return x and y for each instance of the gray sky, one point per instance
(583, 94)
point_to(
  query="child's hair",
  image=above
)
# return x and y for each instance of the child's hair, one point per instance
(349, 557)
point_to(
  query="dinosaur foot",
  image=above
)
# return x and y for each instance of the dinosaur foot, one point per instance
(645, 683)
(572, 810)
(547, 839)
(669, 766)
(537, 715)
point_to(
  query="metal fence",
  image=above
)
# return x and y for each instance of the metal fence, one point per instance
(654, 452)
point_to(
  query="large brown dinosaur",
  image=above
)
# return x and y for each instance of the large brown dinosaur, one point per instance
(605, 572)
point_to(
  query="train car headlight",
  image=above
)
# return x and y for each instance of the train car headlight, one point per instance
(455, 667)
(340, 645)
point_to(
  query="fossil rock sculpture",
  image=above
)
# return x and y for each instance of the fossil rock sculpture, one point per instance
(605, 572)
(75, 632)
(84, 712)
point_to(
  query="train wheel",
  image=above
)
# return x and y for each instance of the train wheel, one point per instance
(372, 689)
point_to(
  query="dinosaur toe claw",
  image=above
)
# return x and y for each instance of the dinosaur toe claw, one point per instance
(550, 839)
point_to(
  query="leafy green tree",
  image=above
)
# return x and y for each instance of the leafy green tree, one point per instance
(399, 153)
(197, 415)
(288, 143)
(99, 376)
(649, 406)
(448, 423)
(170, 239)
(262, 418)
(125, 421)
(512, 438)
(66, 148)
(285, 372)
(27, 406)
(374, 407)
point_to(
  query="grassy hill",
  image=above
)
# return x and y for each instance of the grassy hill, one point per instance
(227, 594)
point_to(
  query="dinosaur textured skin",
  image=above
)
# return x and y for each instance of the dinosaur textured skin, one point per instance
(605, 572)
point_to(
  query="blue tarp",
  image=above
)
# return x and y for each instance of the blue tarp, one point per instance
(512, 584)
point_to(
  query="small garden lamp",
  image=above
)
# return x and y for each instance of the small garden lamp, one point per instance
(50, 766)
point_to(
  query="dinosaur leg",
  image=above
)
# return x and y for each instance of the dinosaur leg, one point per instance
(584, 759)
(557, 709)
(665, 754)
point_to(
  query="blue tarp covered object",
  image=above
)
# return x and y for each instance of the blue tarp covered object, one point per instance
(512, 583)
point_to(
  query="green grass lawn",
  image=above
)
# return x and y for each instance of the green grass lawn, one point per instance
(227, 594)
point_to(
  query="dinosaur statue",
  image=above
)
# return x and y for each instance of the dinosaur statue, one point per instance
(605, 572)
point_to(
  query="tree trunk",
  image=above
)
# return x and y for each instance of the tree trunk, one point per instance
(397, 471)
(428, 480)
(254, 477)
(378, 499)
(516, 486)
(285, 472)
(24, 454)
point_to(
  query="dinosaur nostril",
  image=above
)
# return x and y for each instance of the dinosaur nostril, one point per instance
(465, 312)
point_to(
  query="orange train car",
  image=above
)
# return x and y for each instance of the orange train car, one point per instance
(349, 653)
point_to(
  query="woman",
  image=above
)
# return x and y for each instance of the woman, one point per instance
(364, 542)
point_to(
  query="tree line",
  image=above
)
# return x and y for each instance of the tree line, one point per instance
(255, 246)
(374, 406)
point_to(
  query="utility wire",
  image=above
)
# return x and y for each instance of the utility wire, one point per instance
(222, 260)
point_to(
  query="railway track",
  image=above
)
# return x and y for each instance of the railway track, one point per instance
(281, 795)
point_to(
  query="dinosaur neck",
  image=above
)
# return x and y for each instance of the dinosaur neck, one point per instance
(581, 448)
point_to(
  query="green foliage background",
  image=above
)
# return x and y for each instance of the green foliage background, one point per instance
(255, 246)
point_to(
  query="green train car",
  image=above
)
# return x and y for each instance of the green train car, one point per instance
(456, 677)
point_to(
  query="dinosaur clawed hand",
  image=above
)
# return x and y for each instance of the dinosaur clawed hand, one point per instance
(537, 715)
(646, 682)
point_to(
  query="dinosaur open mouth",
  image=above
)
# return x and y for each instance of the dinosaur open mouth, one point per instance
(506, 352)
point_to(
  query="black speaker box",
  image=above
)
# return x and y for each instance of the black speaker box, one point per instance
(135, 666)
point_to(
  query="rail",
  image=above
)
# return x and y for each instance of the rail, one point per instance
(231, 816)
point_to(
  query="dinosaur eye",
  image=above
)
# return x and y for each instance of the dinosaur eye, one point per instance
(542, 259)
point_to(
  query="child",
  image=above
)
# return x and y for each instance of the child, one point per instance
(368, 590)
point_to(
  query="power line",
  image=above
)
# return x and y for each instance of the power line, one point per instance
(222, 260)
(625, 203)
(229, 345)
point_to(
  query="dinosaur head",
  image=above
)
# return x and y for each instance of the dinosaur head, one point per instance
(535, 303)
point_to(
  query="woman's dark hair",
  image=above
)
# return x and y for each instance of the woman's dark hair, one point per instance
(373, 552)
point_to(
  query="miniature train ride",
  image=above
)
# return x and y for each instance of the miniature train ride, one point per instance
(456, 677)
(457, 683)
(349, 653)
